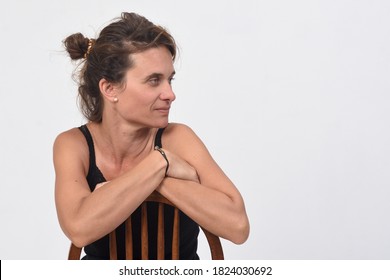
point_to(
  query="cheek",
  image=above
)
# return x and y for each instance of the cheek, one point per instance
(138, 103)
(139, 98)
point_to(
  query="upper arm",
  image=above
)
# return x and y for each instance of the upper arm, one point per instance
(70, 158)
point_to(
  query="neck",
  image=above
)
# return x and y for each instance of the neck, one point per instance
(122, 142)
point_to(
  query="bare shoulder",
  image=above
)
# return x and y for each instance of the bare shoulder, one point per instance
(178, 135)
(178, 128)
(71, 138)
(70, 146)
(181, 139)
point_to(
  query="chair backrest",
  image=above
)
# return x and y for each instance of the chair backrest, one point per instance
(213, 240)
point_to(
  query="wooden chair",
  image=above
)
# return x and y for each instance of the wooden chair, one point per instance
(213, 240)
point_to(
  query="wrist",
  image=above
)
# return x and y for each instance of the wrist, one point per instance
(164, 155)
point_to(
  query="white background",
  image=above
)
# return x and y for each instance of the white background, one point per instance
(291, 98)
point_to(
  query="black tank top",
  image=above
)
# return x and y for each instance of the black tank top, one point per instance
(189, 230)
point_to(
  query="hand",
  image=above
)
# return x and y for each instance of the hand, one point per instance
(180, 169)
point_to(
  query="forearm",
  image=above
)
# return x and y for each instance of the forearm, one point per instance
(214, 210)
(103, 210)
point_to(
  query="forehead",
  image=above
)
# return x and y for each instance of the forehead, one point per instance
(154, 60)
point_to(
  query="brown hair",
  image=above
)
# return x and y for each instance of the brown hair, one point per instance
(109, 57)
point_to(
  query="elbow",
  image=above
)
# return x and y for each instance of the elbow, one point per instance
(241, 229)
(241, 233)
(78, 241)
(77, 236)
(238, 231)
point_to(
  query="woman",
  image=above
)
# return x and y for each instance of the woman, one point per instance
(106, 168)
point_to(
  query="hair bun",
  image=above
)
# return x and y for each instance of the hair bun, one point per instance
(77, 46)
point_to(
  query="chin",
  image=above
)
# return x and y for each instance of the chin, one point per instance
(161, 123)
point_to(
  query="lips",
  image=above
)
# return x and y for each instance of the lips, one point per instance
(163, 109)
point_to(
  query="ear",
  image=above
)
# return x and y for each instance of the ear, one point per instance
(108, 90)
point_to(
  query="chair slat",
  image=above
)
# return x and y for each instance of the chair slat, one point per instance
(113, 252)
(175, 235)
(144, 232)
(129, 239)
(160, 233)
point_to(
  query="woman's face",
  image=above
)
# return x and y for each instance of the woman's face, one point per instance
(147, 96)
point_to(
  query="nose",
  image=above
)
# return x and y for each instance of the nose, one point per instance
(167, 93)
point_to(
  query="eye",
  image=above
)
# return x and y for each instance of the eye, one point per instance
(170, 80)
(154, 81)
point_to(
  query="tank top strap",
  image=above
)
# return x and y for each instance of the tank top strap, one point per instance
(87, 134)
(157, 139)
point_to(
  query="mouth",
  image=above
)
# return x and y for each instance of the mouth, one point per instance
(163, 110)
